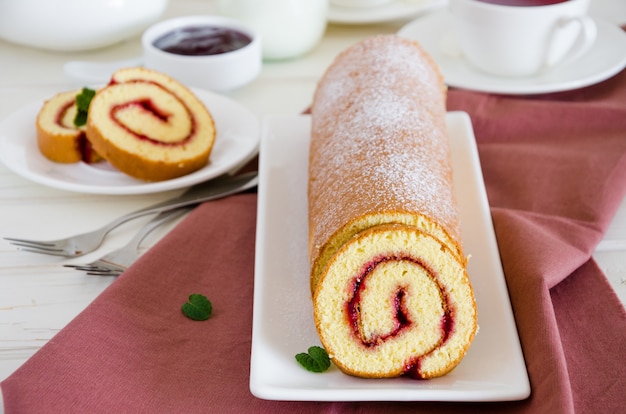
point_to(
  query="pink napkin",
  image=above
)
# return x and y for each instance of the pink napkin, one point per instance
(555, 171)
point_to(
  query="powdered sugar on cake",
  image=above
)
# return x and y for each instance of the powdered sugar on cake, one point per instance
(379, 136)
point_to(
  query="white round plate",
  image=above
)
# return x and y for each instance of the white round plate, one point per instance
(606, 58)
(237, 139)
(395, 10)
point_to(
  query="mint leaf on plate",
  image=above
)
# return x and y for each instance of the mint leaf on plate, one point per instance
(198, 307)
(316, 360)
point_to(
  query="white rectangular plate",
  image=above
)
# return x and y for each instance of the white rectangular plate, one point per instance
(492, 370)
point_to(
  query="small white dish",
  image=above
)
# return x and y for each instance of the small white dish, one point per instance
(394, 10)
(217, 72)
(71, 26)
(282, 325)
(237, 140)
(605, 58)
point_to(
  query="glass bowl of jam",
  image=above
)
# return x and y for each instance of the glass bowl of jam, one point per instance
(210, 52)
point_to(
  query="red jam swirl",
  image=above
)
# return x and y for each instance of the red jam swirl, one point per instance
(61, 114)
(402, 320)
(83, 146)
(401, 315)
(87, 152)
(202, 41)
(148, 106)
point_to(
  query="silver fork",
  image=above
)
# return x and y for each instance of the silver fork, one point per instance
(117, 261)
(81, 244)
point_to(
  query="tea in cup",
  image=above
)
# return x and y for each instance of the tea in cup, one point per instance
(518, 38)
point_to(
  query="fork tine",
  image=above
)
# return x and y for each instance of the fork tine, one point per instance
(33, 246)
(103, 269)
(29, 243)
(49, 252)
(84, 267)
(96, 270)
(89, 267)
(104, 272)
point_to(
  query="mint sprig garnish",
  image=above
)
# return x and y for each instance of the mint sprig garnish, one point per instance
(316, 360)
(83, 99)
(198, 308)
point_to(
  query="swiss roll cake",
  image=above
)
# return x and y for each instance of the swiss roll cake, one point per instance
(390, 289)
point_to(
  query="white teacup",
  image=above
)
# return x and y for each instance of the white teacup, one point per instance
(513, 40)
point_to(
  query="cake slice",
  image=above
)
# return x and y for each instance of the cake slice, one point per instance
(150, 126)
(58, 138)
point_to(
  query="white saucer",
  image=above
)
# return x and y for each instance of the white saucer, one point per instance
(606, 58)
(395, 10)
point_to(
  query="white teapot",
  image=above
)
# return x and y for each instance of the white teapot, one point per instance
(75, 25)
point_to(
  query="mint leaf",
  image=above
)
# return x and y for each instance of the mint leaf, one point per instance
(317, 359)
(80, 119)
(198, 307)
(83, 100)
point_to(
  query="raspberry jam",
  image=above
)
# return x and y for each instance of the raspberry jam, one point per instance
(159, 115)
(401, 313)
(202, 40)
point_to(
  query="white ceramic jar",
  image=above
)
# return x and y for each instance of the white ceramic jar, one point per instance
(288, 28)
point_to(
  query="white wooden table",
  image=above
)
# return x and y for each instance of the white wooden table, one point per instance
(38, 296)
